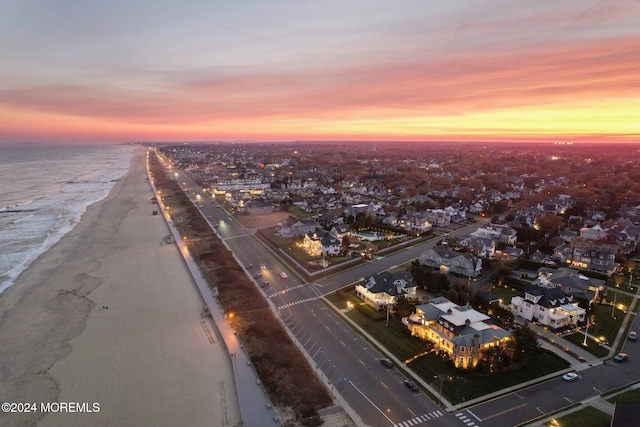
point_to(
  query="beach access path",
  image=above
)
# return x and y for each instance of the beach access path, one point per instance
(111, 316)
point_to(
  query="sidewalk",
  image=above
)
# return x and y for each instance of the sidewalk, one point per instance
(255, 407)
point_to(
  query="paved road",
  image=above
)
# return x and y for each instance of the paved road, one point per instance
(350, 365)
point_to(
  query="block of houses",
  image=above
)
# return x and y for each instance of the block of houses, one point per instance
(448, 260)
(383, 289)
(548, 306)
(589, 255)
(462, 332)
(320, 242)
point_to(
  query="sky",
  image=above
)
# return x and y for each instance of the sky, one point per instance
(428, 70)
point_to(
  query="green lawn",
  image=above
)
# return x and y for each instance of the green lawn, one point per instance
(505, 293)
(603, 325)
(631, 396)
(587, 417)
(592, 346)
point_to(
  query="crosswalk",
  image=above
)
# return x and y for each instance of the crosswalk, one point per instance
(468, 421)
(297, 302)
(419, 419)
(286, 290)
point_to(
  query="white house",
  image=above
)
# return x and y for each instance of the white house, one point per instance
(382, 290)
(548, 306)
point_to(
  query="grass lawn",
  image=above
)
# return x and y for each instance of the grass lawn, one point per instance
(587, 417)
(505, 293)
(631, 396)
(592, 346)
(603, 325)
(622, 300)
(457, 385)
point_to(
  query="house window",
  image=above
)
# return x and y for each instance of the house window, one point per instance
(462, 349)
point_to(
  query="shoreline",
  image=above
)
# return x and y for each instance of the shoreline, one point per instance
(149, 358)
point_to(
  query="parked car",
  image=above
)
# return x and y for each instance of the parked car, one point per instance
(264, 285)
(620, 357)
(411, 385)
(387, 363)
(257, 276)
(633, 336)
(570, 376)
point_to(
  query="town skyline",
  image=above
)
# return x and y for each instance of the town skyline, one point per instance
(485, 71)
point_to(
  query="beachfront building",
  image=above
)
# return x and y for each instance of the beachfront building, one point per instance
(382, 290)
(548, 306)
(461, 332)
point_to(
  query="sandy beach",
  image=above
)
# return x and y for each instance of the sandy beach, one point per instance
(109, 319)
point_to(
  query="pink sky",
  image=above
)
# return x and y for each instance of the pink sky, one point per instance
(279, 70)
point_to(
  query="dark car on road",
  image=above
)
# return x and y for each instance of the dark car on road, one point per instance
(411, 385)
(387, 363)
(633, 336)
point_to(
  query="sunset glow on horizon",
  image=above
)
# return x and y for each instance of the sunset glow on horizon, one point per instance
(201, 71)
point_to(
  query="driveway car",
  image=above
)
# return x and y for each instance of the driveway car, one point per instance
(387, 363)
(620, 357)
(633, 336)
(411, 385)
(570, 376)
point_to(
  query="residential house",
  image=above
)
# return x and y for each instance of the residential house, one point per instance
(382, 290)
(501, 233)
(462, 332)
(320, 242)
(598, 256)
(438, 217)
(571, 282)
(548, 306)
(510, 253)
(448, 260)
(479, 246)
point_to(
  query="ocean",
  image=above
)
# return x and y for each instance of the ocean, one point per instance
(45, 191)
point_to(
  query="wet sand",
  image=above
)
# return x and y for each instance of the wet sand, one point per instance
(110, 316)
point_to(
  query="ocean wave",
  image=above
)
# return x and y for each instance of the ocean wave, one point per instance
(58, 189)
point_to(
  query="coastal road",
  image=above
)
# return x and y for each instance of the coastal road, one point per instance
(349, 364)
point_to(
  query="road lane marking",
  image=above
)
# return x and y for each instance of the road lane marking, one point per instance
(474, 415)
(369, 400)
(497, 414)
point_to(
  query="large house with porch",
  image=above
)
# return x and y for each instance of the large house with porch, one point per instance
(462, 332)
(382, 290)
(548, 306)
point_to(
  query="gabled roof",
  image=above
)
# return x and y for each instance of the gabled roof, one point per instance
(393, 284)
(550, 297)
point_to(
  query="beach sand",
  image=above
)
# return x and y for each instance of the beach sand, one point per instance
(110, 316)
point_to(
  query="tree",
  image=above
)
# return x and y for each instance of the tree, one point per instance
(346, 242)
(525, 344)
(403, 307)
